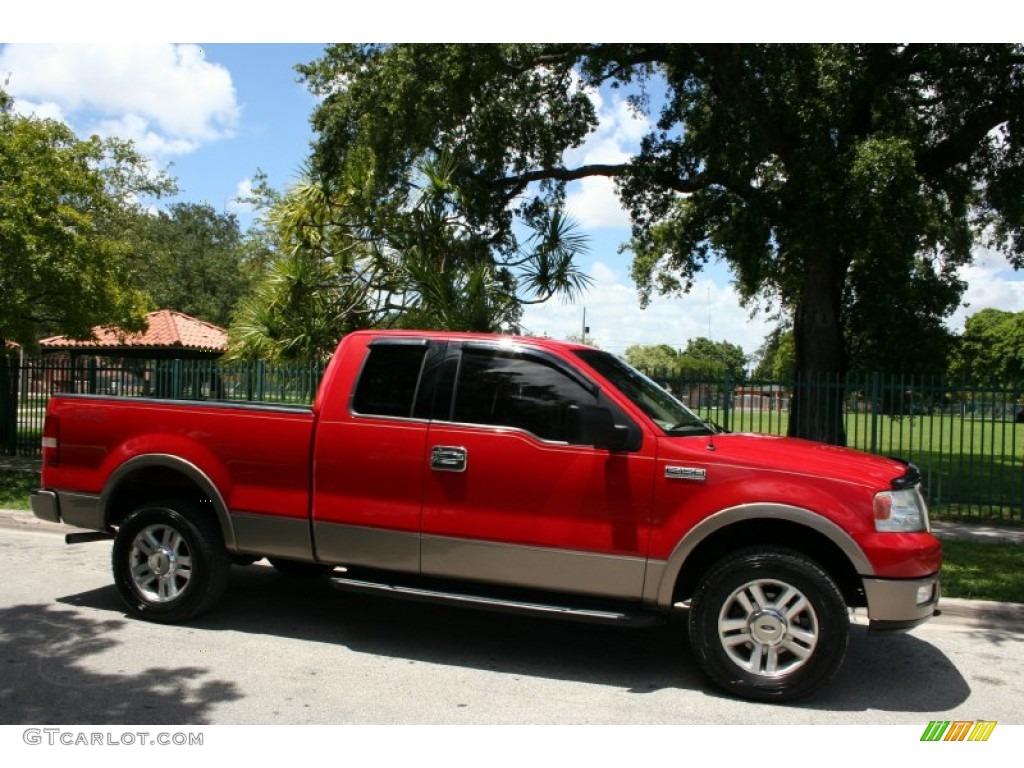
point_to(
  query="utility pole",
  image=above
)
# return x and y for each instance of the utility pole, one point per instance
(586, 329)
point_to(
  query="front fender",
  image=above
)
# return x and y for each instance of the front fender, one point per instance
(659, 589)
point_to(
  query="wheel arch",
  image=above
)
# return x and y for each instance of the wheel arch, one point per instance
(155, 476)
(762, 524)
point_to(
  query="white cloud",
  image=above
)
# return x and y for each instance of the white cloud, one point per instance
(991, 284)
(168, 98)
(140, 131)
(243, 189)
(46, 110)
(593, 202)
(616, 320)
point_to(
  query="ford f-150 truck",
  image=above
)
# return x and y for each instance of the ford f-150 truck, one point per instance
(506, 473)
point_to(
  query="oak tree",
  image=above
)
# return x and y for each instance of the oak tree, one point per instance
(845, 183)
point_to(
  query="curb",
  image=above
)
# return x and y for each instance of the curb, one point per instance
(981, 615)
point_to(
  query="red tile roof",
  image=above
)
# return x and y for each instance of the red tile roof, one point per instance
(167, 329)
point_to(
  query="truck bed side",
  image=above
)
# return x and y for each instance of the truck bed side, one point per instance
(249, 462)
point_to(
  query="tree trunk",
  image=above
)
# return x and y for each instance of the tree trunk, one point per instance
(816, 411)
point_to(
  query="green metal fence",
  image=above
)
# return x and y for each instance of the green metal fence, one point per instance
(967, 439)
(33, 380)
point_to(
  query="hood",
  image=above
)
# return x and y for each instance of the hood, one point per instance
(786, 454)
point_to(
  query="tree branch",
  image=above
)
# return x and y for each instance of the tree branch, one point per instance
(958, 147)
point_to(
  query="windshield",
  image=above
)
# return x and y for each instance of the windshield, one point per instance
(667, 412)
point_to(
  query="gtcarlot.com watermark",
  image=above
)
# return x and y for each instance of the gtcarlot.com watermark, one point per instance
(67, 737)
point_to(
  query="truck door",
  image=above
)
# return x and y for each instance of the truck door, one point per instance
(509, 498)
(368, 460)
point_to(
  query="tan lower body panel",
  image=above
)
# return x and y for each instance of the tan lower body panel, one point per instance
(586, 573)
(271, 536)
(558, 570)
(369, 547)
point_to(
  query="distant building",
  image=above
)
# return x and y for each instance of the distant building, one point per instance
(166, 359)
(169, 335)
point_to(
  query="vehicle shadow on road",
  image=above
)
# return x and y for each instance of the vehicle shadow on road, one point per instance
(45, 680)
(893, 673)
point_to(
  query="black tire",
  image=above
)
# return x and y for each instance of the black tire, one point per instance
(297, 569)
(768, 624)
(169, 561)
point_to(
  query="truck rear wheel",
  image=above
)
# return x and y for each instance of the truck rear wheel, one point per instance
(169, 561)
(768, 624)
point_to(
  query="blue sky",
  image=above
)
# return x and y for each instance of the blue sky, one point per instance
(212, 113)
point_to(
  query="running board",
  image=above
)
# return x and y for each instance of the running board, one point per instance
(83, 538)
(639, 618)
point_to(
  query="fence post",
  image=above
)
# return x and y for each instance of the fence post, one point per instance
(8, 403)
(875, 404)
(726, 392)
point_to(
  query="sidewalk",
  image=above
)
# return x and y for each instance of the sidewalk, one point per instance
(986, 534)
(20, 463)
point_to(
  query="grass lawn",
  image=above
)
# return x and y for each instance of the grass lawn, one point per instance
(15, 488)
(972, 570)
(983, 571)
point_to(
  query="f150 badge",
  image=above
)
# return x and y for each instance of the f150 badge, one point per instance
(686, 473)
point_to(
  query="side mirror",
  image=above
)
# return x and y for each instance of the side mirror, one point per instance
(594, 425)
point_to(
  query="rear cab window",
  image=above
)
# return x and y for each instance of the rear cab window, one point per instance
(389, 381)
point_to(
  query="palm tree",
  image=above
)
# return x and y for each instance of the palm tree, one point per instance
(340, 265)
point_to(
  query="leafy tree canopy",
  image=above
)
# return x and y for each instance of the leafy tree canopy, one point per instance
(66, 208)
(337, 265)
(701, 358)
(654, 359)
(192, 260)
(847, 182)
(776, 358)
(991, 348)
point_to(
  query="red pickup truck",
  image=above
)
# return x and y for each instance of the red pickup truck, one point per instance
(506, 473)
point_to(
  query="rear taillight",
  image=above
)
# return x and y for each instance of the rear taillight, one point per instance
(51, 441)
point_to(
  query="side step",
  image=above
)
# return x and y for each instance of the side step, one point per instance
(638, 618)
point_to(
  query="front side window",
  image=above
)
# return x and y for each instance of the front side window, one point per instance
(662, 408)
(509, 390)
(387, 384)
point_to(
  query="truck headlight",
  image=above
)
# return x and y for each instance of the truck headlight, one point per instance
(902, 511)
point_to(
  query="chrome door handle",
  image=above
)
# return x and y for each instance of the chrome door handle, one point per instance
(448, 458)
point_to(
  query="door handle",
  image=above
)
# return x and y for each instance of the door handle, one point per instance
(448, 458)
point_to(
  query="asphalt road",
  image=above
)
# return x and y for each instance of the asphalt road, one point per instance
(283, 652)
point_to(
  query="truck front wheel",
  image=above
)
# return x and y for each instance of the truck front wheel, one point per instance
(169, 561)
(768, 624)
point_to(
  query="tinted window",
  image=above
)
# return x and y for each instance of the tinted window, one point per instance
(512, 391)
(387, 385)
(670, 414)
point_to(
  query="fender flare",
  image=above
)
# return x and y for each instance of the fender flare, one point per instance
(178, 464)
(663, 585)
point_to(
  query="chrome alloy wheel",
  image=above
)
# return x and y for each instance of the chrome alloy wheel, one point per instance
(160, 563)
(768, 628)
